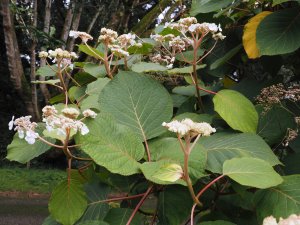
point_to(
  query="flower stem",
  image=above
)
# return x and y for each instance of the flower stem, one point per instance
(139, 204)
(200, 193)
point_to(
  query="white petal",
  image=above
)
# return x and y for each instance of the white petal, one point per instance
(84, 130)
(11, 123)
(30, 140)
(21, 134)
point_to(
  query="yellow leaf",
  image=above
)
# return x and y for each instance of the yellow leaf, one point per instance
(249, 36)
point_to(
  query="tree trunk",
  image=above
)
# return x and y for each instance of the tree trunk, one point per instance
(13, 58)
(46, 29)
(32, 64)
(91, 25)
(75, 25)
(148, 19)
(68, 22)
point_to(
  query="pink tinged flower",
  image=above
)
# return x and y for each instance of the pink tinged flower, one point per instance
(11, 123)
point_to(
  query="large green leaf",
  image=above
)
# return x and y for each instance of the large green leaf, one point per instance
(219, 62)
(96, 210)
(120, 216)
(236, 110)
(206, 6)
(68, 202)
(251, 172)
(90, 51)
(93, 222)
(280, 201)
(276, 2)
(138, 102)
(19, 150)
(95, 70)
(273, 125)
(174, 205)
(223, 146)
(147, 67)
(185, 70)
(279, 33)
(111, 145)
(96, 87)
(50, 221)
(47, 71)
(150, 170)
(195, 117)
(169, 149)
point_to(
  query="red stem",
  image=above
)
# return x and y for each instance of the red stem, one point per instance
(119, 198)
(139, 204)
(208, 91)
(200, 193)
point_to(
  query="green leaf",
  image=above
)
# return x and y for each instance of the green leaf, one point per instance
(111, 145)
(68, 202)
(174, 205)
(150, 170)
(90, 102)
(76, 93)
(90, 51)
(92, 222)
(185, 70)
(279, 33)
(19, 150)
(190, 90)
(223, 146)
(189, 55)
(145, 49)
(47, 71)
(95, 70)
(50, 221)
(236, 110)
(120, 216)
(217, 222)
(272, 126)
(169, 172)
(251, 172)
(221, 61)
(195, 117)
(169, 149)
(276, 2)
(147, 67)
(93, 91)
(280, 201)
(96, 210)
(206, 6)
(96, 87)
(138, 102)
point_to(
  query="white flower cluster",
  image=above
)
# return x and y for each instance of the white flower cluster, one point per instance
(66, 121)
(118, 44)
(186, 126)
(126, 40)
(158, 58)
(108, 36)
(58, 54)
(190, 24)
(291, 220)
(118, 50)
(25, 128)
(82, 35)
